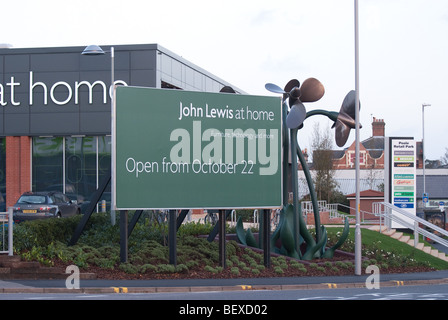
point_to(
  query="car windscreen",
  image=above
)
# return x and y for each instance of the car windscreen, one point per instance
(32, 199)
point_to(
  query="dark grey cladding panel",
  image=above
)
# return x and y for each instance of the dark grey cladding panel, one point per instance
(95, 63)
(143, 78)
(123, 75)
(17, 124)
(95, 122)
(55, 62)
(52, 110)
(144, 59)
(94, 75)
(21, 98)
(66, 124)
(19, 80)
(97, 103)
(17, 63)
(50, 78)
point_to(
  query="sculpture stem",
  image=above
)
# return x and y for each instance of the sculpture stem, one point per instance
(312, 192)
(295, 191)
(332, 115)
(285, 156)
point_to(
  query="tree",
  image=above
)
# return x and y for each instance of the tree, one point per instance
(444, 158)
(323, 173)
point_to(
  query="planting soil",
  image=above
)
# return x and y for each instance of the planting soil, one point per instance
(342, 264)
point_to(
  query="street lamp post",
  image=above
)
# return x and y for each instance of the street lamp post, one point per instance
(423, 145)
(94, 50)
(358, 218)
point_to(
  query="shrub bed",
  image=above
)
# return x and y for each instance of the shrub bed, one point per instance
(98, 251)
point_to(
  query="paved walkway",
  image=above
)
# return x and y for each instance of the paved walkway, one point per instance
(196, 285)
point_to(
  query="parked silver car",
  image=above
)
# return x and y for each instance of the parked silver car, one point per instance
(38, 205)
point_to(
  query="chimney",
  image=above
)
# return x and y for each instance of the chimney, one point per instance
(378, 127)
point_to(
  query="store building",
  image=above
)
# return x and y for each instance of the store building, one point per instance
(55, 112)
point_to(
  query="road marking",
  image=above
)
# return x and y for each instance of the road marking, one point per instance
(246, 287)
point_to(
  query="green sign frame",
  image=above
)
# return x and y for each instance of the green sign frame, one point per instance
(175, 149)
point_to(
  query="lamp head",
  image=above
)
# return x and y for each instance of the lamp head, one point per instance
(93, 50)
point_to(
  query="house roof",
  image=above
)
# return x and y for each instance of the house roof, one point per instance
(337, 154)
(367, 194)
(374, 143)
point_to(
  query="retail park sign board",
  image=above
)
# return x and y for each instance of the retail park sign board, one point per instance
(183, 150)
(400, 182)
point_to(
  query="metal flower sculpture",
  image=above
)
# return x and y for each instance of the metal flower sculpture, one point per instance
(291, 236)
(346, 119)
(310, 91)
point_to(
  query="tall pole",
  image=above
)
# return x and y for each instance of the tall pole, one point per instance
(358, 226)
(112, 127)
(423, 145)
(94, 50)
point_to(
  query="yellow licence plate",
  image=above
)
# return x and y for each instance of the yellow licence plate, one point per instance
(29, 211)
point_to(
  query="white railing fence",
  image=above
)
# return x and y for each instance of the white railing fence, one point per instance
(388, 212)
(6, 222)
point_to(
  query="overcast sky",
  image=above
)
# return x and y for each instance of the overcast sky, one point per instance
(403, 48)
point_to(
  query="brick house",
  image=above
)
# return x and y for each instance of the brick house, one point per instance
(371, 151)
(366, 199)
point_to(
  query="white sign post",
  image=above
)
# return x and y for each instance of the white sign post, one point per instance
(400, 182)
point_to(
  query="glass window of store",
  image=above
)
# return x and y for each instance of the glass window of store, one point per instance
(73, 165)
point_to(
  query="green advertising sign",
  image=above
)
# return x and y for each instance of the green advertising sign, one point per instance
(181, 150)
